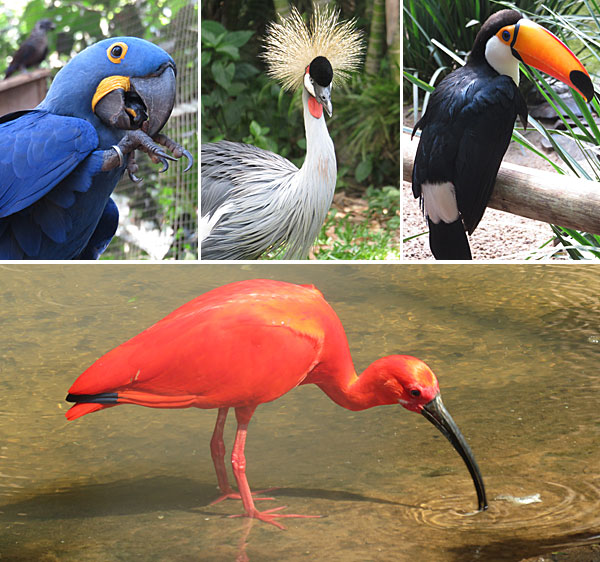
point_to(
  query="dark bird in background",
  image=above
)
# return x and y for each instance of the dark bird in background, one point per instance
(469, 122)
(33, 51)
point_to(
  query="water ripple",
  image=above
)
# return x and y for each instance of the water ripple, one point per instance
(576, 506)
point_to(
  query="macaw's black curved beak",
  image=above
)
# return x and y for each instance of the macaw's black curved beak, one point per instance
(138, 102)
(157, 93)
(437, 414)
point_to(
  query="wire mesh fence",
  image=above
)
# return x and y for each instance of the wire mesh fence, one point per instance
(159, 214)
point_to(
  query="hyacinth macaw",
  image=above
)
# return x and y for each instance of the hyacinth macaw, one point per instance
(60, 162)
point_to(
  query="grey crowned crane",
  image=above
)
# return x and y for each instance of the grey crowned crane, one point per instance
(469, 122)
(254, 201)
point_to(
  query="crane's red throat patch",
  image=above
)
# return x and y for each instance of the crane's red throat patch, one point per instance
(315, 108)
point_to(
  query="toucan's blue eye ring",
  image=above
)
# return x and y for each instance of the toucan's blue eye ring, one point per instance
(506, 35)
(116, 52)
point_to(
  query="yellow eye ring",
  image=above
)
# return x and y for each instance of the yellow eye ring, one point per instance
(116, 52)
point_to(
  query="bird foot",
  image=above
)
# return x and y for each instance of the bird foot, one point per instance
(139, 140)
(231, 495)
(269, 516)
(176, 149)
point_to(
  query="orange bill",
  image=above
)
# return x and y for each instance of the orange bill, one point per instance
(537, 47)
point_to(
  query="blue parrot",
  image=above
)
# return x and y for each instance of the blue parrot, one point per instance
(60, 162)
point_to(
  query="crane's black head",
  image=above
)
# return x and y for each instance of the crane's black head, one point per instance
(490, 27)
(320, 71)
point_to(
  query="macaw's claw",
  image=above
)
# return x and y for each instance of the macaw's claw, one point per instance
(177, 150)
(132, 168)
(190, 159)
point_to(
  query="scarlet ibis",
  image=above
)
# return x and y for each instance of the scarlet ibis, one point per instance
(469, 122)
(254, 201)
(248, 343)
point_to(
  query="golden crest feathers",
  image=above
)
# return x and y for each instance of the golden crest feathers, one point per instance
(290, 46)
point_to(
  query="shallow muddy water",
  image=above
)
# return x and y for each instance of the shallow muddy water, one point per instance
(516, 350)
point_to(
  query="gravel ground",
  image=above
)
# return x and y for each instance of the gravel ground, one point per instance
(499, 236)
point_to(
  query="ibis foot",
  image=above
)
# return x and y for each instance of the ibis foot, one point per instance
(233, 495)
(269, 516)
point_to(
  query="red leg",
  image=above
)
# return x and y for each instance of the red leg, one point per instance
(238, 461)
(217, 451)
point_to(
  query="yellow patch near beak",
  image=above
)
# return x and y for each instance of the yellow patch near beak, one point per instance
(108, 85)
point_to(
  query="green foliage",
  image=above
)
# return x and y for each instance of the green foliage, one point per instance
(455, 23)
(451, 22)
(238, 102)
(365, 128)
(355, 241)
(384, 204)
(79, 24)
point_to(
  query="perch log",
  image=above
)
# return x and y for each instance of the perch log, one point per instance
(553, 198)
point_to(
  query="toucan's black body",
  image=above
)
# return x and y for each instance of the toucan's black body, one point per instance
(466, 132)
(468, 124)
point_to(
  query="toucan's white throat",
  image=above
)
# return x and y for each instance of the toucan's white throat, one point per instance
(500, 58)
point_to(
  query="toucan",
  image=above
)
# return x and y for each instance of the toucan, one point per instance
(469, 121)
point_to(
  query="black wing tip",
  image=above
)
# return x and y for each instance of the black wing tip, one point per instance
(104, 398)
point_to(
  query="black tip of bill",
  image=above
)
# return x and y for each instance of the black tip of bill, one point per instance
(583, 83)
(437, 414)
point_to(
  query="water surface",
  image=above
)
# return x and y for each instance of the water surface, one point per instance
(516, 350)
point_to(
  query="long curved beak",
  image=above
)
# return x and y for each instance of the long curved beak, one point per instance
(538, 47)
(437, 414)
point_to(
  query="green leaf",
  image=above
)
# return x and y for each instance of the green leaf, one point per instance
(230, 50)
(244, 70)
(208, 100)
(236, 88)
(255, 129)
(238, 38)
(223, 74)
(206, 57)
(363, 170)
(212, 27)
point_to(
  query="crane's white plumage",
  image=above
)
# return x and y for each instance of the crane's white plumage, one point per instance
(291, 45)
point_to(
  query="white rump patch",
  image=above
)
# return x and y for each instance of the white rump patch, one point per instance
(500, 58)
(439, 201)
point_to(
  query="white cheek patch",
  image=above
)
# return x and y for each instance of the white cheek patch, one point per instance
(309, 85)
(500, 58)
(439, 201)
